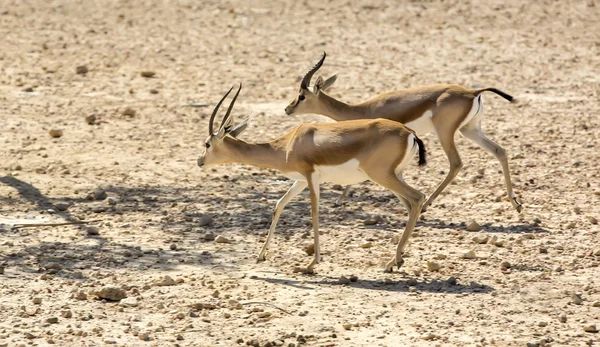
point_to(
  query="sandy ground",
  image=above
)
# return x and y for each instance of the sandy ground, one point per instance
(537, 282)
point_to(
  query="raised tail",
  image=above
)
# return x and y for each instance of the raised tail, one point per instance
(422, 151)
(497, 91)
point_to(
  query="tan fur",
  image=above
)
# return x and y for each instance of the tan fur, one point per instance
(449, 104)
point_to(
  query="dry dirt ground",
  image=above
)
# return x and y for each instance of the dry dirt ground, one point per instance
(536, 283)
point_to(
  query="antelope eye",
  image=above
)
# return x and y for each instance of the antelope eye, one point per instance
(301, 97)
(207, 145)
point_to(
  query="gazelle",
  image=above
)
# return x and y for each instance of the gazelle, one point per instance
(344, 152)
(443, 108)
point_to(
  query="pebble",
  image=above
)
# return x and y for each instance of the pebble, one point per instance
(62, 206)
(343, 280)
(112, 201)
(440, 256)
(222, 239)
(481, 239)
(128, 111)
(562, 318)
(92, 230)
(100, 194)
(468, 255)
(166, 281)
(37, 300)
(367, 245)
(577, 210)
(505, 265)
(98, 209)
(144, 336)
(429, 337)
(592, 220)
(81, 295)
(596, 304)
(67, 314)
(110, 341)
(52, 320)
(209, 236)
(543, 250)
(576, 299)
(347, 326)
(81, 70)
(91, 119)
(173, 247)
(353, 278)
(129, 302)
(205, 220)
(110, 293)
(309, 249)
(148, 74)
(56, 133)
(534, 343)
(3, 343)
(591, 328)
(372, 220)
(451, 281)
(473, 226)
(433, 266)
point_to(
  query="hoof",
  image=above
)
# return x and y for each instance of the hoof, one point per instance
(518, 205)
(261, 259)
(388, 271)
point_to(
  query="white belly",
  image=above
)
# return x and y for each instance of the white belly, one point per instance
(346, 173)
(422, 125)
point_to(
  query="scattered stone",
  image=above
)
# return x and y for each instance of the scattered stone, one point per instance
(205, 220)
(343, 280)
(543, 250)
(28, 90)
(91, 119)
(1, 270)
(353, 278)
(468, 255)
(596, 304)
(67, 314)
(265, 314)
(56, 133)
(166, 281)
(451, 281)
(412, 282)
(52, 320)
(440, 256)
(577, 210)
(98, 209)
(222, 239)
(366, 245)
(62, 206)
(129, 302)
(433, 266)
(100, 194)
(481, 239)
(347, 326)
(576, 299)
(173, 247)
(210, 236)
(203, 306)
(110, 293)
(562, 318)
(148, 74)
(81, 70)
(144, 336)
(499, 243)
(81, 295)
(372, 220)
(473, 226)
(112, 201)
(429, 337)
(542, 324)
(505, 265)
(37, 300)
(591, 328)
(128, 111)
(153, 91)
(92, 230)
(309, 248)
(592, 220)
(534, 343)
(110, 341)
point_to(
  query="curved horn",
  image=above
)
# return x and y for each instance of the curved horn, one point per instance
(230, 106)
(212, 116)
(311, 72)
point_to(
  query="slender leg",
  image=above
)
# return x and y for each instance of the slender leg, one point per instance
(342, 197)
(313, 185)
(415, 199)
(472, 131)
(294, 190)
(447, 141)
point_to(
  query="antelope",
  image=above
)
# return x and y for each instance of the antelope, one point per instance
(443, 108)
(343, 152)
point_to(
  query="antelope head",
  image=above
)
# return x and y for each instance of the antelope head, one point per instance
(308, 101)
(215, 147)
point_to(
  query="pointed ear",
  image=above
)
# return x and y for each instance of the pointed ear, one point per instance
(226, 127)
(240, 127)
(318, 85)
(328, 82)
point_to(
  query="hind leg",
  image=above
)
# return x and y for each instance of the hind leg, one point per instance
(342, 197)
(473, 132)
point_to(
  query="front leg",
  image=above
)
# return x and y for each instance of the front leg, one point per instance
(313, 186)
(294, 190)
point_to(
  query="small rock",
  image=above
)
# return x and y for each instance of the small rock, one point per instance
(473, 226)
(92, 230)
(81, 295)
(372, 220)
(179, 337)
(433, 266)
(347, 326)
(596, 304)
(37, 300)
(429, 337)
(166, 281)
(3, 343)
(577, 210)
(366, 245)
(110, 341)
(222, 239)
(440, 256)
(28, 90)
(209, 236)
(265, 314)
(481, 239)
(98, 209)
(562, 318)
(543, 250)
(542, 324)
(91, 119)
(518, 156)
(592, 220)
(309, 248)
(505, 265)
(353, 278)
(343, 280)
(128, 111)
(451, 281)
(52, 320)
(499, 243)
(412, 282)
(144, 336)
(591, 328)
(534, 343)
(67, 314)
(205, 220)
(173, 247)
(81, 70)
(56, 133)
(100, 194)
(1, 270)
(468, 255)
(148, 74)
(576, 299)
(110, 293)
(62, 206)
(129, 302)
(111, 201)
